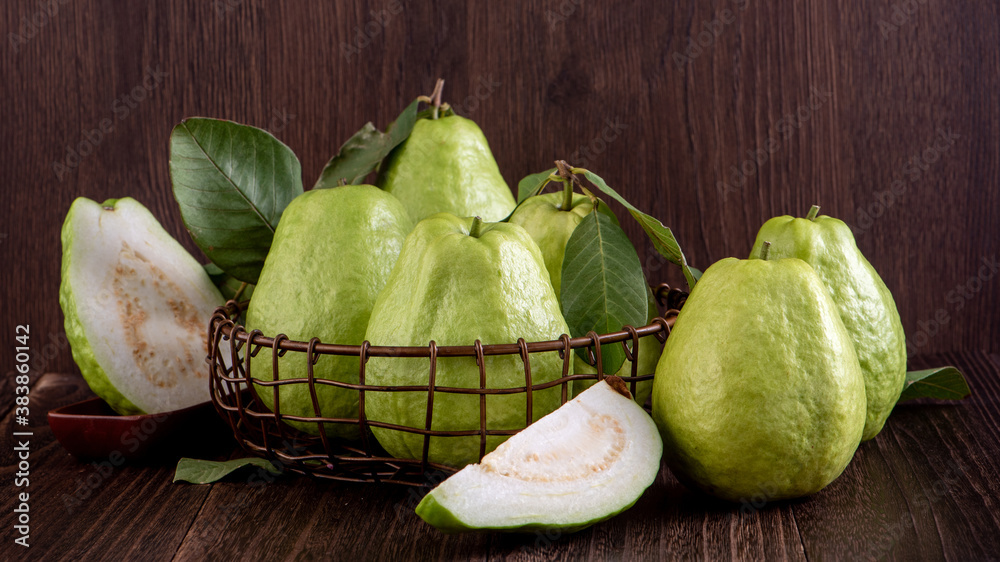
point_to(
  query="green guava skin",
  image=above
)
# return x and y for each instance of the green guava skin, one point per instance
(445, 165)
(650, 349)
(550, 226)
(445, 521)
(83, 353)
(332, 253)
(758, 392)
(865, 303)
(454, 289)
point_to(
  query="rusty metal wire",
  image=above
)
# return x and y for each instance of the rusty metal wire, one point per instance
(261, 431)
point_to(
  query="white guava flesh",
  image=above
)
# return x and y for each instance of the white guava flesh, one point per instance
(585, 462)
(136, 307)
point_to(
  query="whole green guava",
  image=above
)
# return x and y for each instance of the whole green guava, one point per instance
(457, 281)
(550, 226)
(551, 222)
(445, 165)
(758, 393)
(332, 253)
(864, 302)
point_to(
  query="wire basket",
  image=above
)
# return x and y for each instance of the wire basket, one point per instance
(263, 432)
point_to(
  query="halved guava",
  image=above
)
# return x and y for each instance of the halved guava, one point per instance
(136, 307)
(587, 461)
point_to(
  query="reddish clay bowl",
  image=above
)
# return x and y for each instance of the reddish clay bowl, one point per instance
(91, 429)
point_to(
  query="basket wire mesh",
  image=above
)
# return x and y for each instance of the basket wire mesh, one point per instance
(262, 431)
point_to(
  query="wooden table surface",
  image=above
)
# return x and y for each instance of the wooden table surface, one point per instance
(712, 115)
(927, 488)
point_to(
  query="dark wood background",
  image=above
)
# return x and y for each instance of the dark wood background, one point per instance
(817, 102)
(840, 96)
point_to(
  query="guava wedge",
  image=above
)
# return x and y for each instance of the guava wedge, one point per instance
(587, 461)
(136, 307)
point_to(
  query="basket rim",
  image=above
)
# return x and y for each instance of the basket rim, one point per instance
(223, 325)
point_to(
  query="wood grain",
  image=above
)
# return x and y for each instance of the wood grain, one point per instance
(926, 488)
(91, 510)
(839, 103)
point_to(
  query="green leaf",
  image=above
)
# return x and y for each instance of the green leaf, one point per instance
(366, 149)
(603, 287)
(942, 383)
(197, 471)
(232, 182)
(532, 185)
(661, 236)
(603, 207)
(226, 283)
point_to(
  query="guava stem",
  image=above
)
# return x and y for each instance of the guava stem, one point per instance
(239, 292)
(813, 212)
(342, 182)
(436, 97)
(567, 202)
(477, 225)
(565, 173)
(765, 249)
(563, 169)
